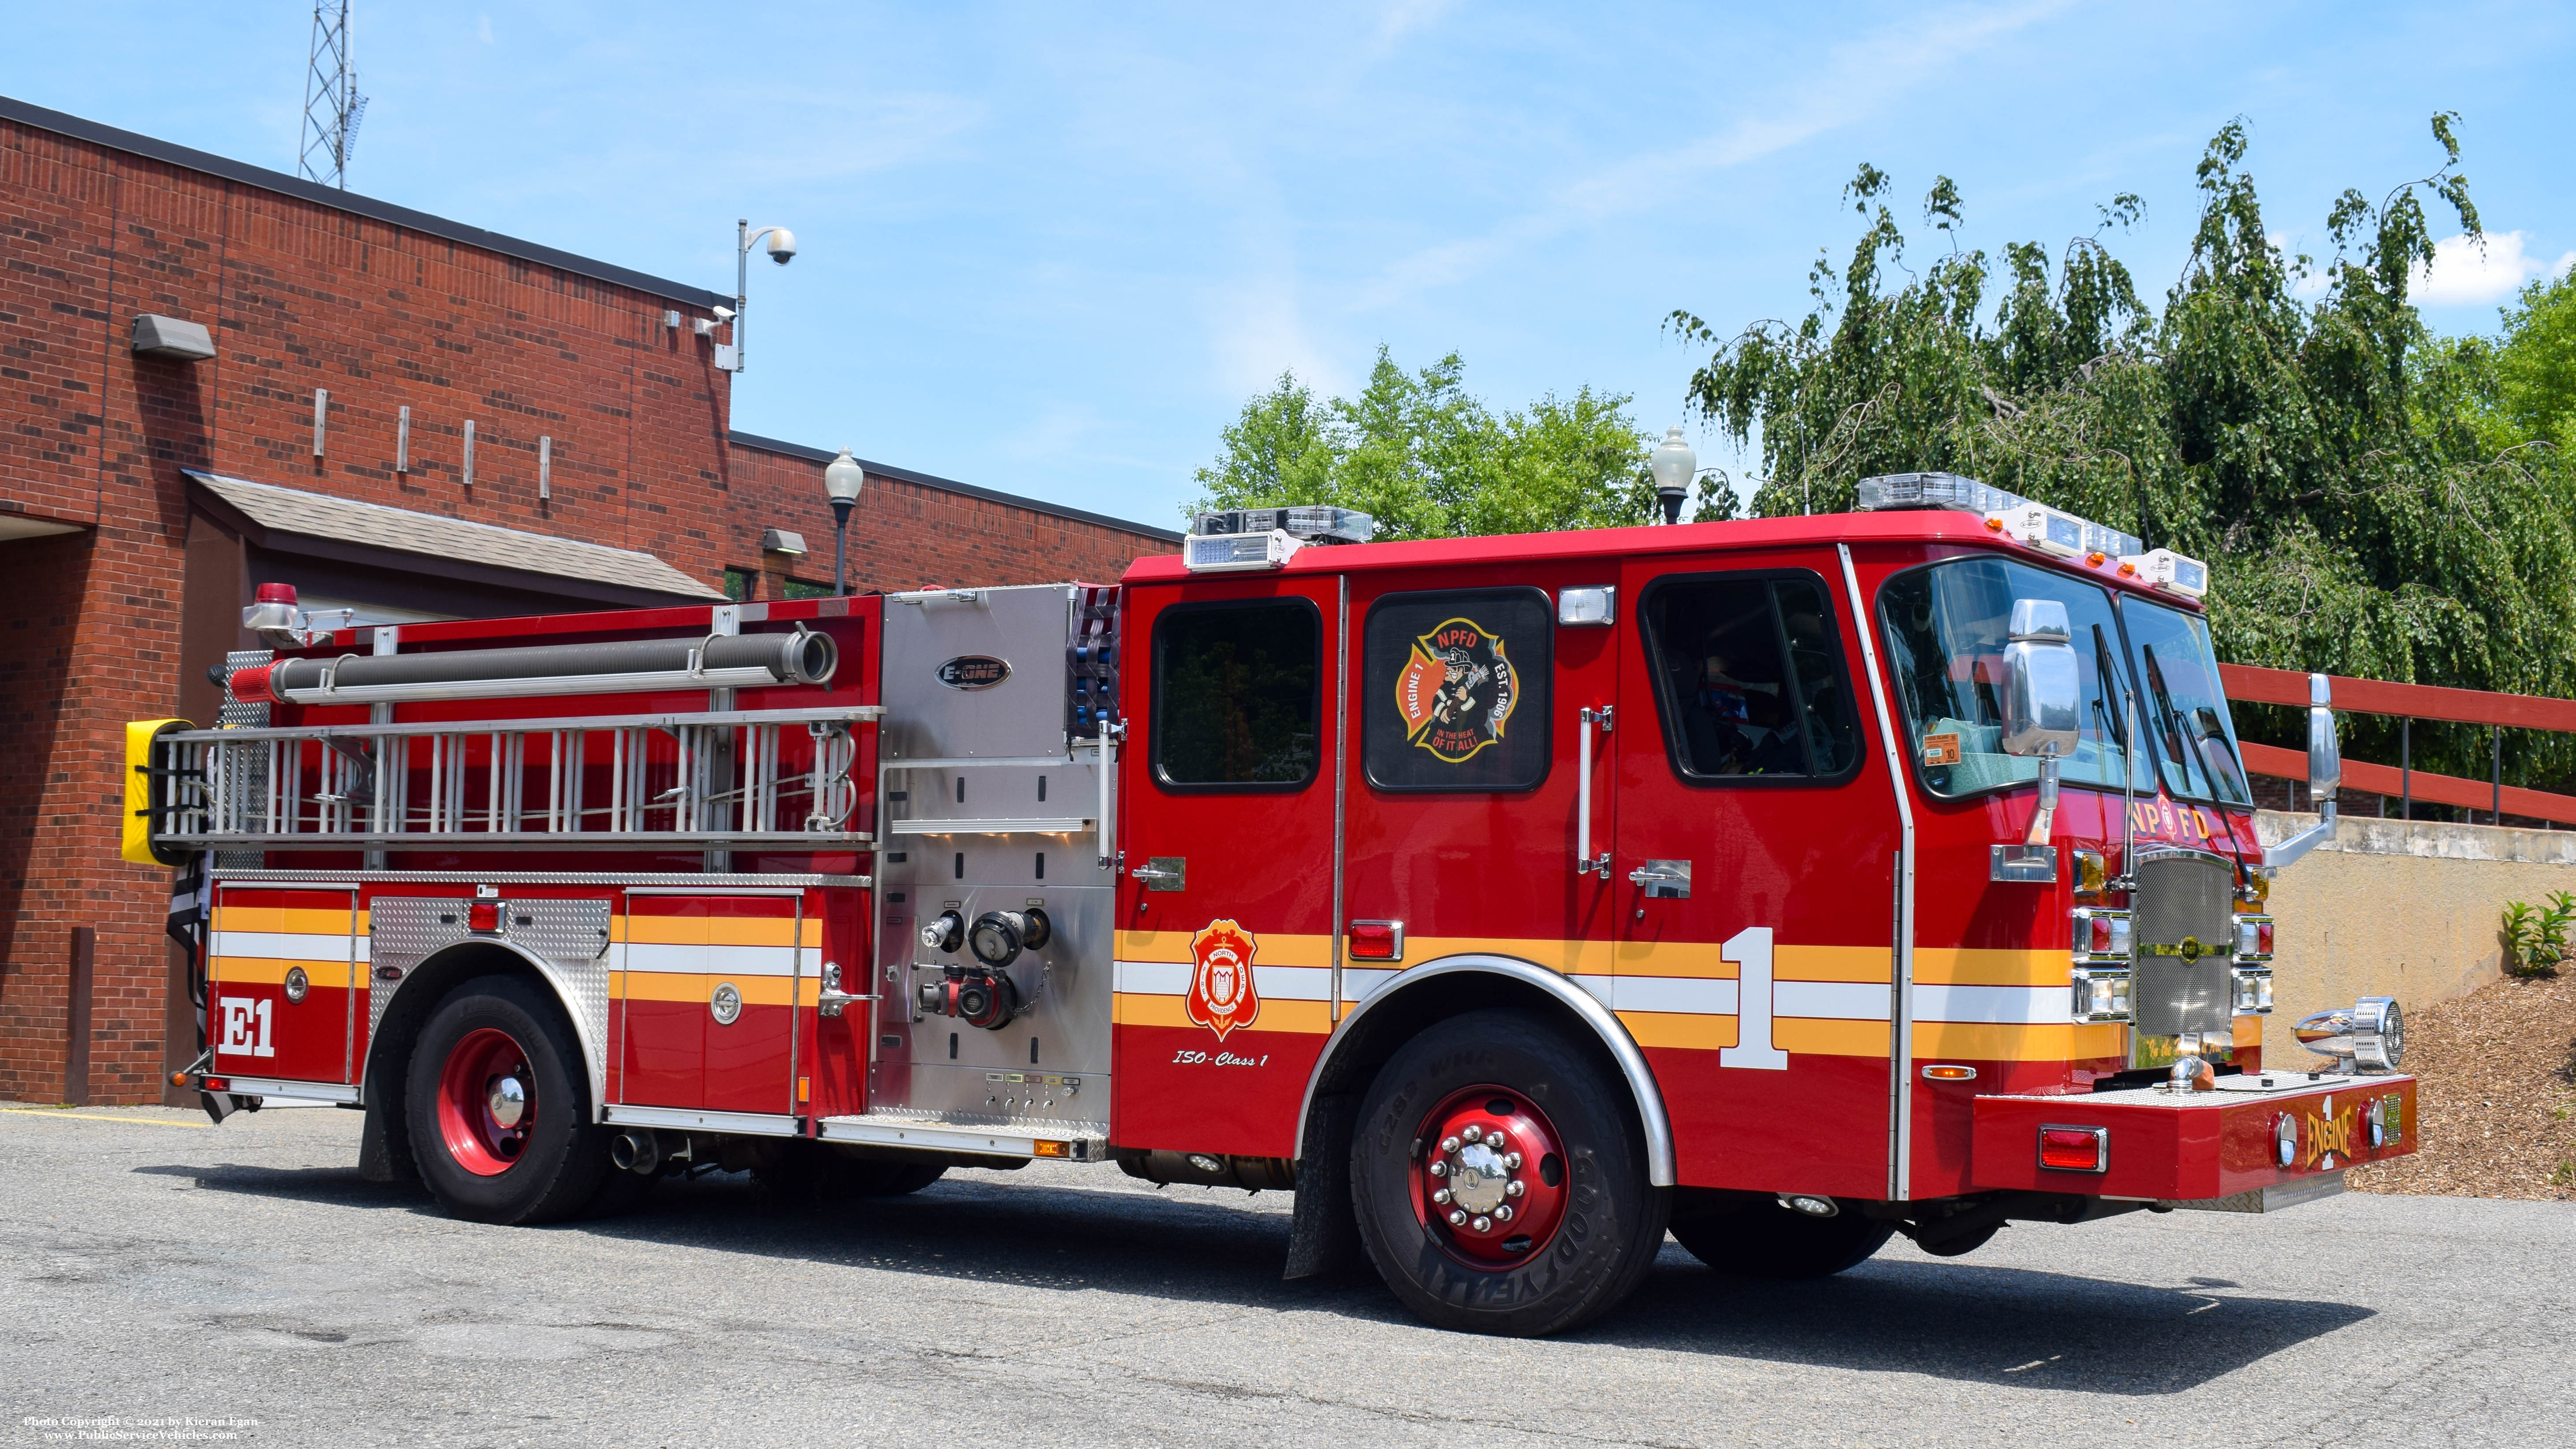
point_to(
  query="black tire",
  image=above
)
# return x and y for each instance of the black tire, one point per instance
(1766, 1240)
(1612, 1223)
(559, 1167)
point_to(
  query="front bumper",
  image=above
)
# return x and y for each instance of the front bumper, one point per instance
(2193, 1147)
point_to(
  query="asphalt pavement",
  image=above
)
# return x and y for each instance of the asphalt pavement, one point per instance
(169, 1281)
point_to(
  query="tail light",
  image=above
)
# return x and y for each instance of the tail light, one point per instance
(483, 917)
(2075, 1149)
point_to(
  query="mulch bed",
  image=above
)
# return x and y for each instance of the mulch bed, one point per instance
(2497, 1104)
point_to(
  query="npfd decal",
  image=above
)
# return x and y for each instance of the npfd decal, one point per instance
(1457, 691)
(1222, 996)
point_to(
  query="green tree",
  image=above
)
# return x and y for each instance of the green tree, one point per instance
(1426, 459)
(2336, 465)
(2535, 369)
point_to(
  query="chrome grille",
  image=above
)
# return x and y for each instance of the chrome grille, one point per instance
(2185, 932)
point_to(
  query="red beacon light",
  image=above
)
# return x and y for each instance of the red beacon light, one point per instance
(1377, 940)
(483, 917)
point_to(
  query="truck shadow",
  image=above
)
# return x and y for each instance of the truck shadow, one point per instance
(1900, 1313)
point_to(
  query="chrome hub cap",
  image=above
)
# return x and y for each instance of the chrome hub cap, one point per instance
(1491, 1178)
(507, 1100)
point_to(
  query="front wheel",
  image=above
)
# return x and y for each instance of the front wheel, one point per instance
(498, 1110)
(1499, 1178)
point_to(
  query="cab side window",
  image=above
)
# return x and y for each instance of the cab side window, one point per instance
(1749, 676)
(1237, 695)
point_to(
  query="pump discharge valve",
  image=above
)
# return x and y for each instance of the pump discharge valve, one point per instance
(1000, 936)
(973, 995)
(944, 933)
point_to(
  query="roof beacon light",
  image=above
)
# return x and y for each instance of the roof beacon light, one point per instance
(2043, 528)
(1892, 492)
(1305, 522)
(1237, 552)
(2172, 572)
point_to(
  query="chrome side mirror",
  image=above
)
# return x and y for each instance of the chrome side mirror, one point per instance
(2043, 698)
(2325, 753)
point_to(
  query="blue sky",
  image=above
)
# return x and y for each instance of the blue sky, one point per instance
(1053, 248)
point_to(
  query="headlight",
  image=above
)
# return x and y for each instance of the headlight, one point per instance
(2101, 994)
(2253, 991)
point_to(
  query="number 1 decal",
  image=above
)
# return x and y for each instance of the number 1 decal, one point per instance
(1750, 950)
(245, 1026)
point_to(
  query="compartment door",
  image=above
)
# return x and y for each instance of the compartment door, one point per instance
(715, 995)
(1224, 912)
(1755, 859)
(281, 982)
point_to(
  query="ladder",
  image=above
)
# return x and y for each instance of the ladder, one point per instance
(715, 780)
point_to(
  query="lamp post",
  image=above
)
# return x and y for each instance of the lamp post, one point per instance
(1673, 464)
(843, 477)
(782, 250)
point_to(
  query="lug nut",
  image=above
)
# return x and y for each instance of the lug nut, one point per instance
(1474, 1134)
(1495, 1139)
(1514, 1188)
(1503, 1214)
(1483, 1225)
(1511, 1162)
(1439, 1169)
(1457, 1217)
(1450, 1144)
(1440, 1195)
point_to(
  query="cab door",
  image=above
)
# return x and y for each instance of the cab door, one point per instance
(1755, 862)
(1225, 903)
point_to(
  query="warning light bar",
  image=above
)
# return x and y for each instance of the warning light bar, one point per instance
(2171, 572)
(2033, 523)
(1304, 522)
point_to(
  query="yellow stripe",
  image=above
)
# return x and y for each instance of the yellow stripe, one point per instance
(1136, 1009)
(271, 970)
(250, 918)
(1680, 1029)
(718, 931)
(2249, 1032)
(1820, 1036)
(95, 1117)
(1270, 948)
(691, 986)
(1831, 963)
(1953, 966)
(289, 920)
(2002, 1042)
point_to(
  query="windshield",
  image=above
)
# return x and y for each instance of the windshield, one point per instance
(2183, 709)
(1946, 629)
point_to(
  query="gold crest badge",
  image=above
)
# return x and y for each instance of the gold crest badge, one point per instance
(1222, 996)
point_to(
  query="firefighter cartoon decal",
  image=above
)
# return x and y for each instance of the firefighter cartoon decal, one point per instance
(1456, 692)
(1222, 996)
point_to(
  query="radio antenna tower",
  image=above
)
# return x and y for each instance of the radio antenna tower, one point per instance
(332, 105)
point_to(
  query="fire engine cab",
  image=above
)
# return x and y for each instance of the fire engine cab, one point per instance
(1783, 884)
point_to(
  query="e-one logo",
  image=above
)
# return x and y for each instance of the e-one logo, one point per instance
(974, 671)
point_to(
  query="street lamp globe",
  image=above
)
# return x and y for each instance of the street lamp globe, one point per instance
(1673, 464)
(843, 477)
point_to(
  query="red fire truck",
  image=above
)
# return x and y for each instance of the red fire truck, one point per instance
(1785, 884)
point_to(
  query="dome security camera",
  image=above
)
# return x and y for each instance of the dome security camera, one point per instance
(782, 246)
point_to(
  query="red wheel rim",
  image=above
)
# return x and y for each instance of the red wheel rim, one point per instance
(1491, 1205)
(487, 1102)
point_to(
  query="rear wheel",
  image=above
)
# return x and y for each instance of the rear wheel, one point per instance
(1765, 1240)
(498, 1107)
(1499, 1178)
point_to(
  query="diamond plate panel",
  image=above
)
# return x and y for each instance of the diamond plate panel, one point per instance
(402, 932)
(574, 936)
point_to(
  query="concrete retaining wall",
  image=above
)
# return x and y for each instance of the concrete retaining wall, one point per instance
(2396, 908)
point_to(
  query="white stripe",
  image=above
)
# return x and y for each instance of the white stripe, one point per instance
(2018, 1005)
(1831, 1000)
(1698, 996)
(287, 946)
(712, 960)
(1293, 983)
(1154, 978)
(1359, 983)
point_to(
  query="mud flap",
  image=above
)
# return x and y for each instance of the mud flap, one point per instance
(1323, 1230)
(384, 1143)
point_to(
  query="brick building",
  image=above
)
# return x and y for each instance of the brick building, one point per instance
(213, 375)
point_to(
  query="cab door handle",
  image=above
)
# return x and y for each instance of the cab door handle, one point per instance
(1585, 862)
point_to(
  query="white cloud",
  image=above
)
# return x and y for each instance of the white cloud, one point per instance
(1860, 78)
(2470, 270)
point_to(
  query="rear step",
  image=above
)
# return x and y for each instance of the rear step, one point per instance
(1062, 1141)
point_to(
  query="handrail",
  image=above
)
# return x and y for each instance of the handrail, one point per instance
(2253, 684)
(2435, 789)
